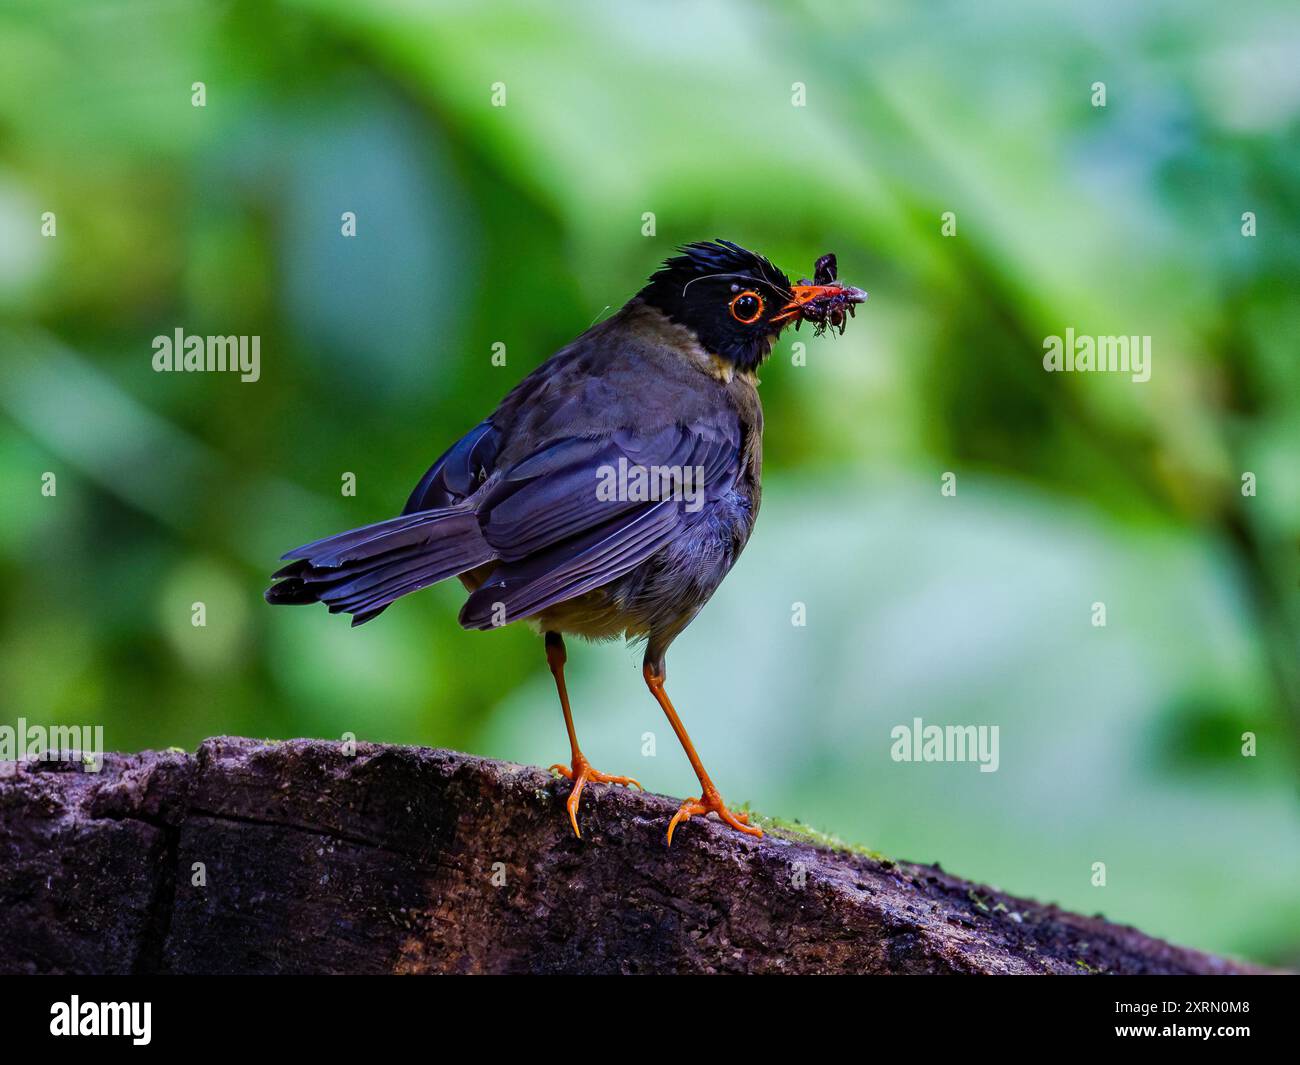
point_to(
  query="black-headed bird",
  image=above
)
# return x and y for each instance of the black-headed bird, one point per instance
(609, 493)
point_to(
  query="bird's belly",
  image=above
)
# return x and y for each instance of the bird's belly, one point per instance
(598, 615)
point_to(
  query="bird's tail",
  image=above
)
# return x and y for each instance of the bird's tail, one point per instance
(363, 570)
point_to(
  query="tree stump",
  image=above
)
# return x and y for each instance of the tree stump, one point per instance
(294, 857)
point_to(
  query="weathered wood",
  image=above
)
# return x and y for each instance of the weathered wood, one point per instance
(412, 860)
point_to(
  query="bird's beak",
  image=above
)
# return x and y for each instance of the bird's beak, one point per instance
(816, 301)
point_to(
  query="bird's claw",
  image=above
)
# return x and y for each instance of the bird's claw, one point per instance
(582, 774)
(711, 802)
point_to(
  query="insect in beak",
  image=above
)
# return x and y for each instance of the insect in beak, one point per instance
(822, 301)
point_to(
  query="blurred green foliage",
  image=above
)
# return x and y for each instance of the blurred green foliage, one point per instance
(522, 225)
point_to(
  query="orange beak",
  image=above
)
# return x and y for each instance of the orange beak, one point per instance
(816, 301)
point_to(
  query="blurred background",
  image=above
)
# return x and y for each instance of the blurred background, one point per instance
(521, 225)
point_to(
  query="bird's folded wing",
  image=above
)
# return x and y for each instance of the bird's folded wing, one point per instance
(582, 512)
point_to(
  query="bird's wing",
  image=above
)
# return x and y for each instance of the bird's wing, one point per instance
(551, 520)
(462, 468)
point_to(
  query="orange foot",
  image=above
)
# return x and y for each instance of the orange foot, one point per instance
(581, 774)
(711, 802)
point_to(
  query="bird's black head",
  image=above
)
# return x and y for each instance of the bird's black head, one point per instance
(736, 302)
(727, 296)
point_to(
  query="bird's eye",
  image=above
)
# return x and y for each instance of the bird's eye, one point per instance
(747, 307)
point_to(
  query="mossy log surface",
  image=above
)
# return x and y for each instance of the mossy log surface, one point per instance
(258, 857)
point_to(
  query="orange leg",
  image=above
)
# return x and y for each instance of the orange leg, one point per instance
(581, 772)
(709, 801)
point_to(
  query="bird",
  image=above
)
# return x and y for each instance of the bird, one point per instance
(608, 494)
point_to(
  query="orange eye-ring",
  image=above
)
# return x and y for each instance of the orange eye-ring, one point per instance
(747, 307)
